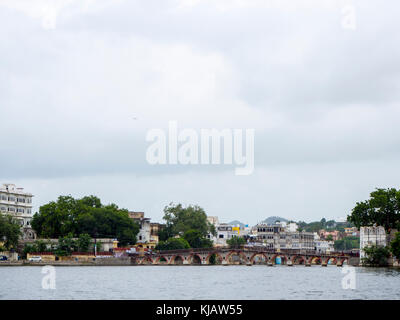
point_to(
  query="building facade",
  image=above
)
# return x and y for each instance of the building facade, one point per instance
(372, 236)
(276, 236)
(144, 238)
(323, 246)
(224, 232)
(325, 234)
(17, 203)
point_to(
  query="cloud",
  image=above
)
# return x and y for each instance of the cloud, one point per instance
(79, 92)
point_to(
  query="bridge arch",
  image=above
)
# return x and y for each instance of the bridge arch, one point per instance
(178, 259)
(195, 259)
(315, 260)
(254, 260)
(332, 261)
(299, 260)
(161, 260)
(240, 254)
(218, 258)
(146, 260)
(284, 258)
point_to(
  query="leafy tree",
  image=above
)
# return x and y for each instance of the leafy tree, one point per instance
(329, 237)
(10, 231)
(383, 209)
(181, 219)
(196, 240)
(347, 243)
(29, 248)
(37, 246)
(173, 244)
(235, 241)
(84, 216)
(83, 242)
(41, 246)
(376, 256)
(190, 223)
(66, 245)
(395, 245)
(165, 233)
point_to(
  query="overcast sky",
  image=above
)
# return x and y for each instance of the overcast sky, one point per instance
(81, 83)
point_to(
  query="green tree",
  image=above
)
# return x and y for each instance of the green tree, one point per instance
(173, 244)
(188, 222)
(196, 239)
(235, 241)
(29, 248)
(347, 243)
(10, 231)
(376, 256)
(395, 245)
(41, 246)
(181, 219)
(383, 209)
(84, 216)
(165, 233)
(83, 242)
(66, 245)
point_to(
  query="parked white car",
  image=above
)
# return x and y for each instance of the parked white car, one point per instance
(35, 259)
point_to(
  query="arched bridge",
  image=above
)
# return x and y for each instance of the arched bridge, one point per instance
(243, 255)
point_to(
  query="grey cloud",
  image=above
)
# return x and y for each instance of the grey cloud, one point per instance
(318, 95)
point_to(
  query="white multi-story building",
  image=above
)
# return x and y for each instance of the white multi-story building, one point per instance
(291, 227)
(323, 246)
(224, 232)
(144, 235)
(371, 236)
(17, 203)
(275, 236)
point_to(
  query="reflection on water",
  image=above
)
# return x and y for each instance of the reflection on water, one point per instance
(199, 282)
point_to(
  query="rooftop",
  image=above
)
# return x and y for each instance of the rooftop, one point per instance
(11, 188)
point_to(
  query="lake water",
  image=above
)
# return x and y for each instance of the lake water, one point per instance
(199, 282)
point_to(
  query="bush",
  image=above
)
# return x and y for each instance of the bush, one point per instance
(196, 239)
(376, 256)
(395, 245)
(173, 244)
(236, 241)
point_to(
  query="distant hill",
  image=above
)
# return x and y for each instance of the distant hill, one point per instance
(236, 222)
(273, 219)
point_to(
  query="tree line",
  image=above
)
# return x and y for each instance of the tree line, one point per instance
(69, 216)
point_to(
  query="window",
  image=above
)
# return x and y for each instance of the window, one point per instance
(221, 236)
